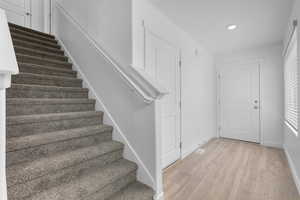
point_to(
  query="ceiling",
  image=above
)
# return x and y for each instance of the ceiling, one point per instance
(259, 22)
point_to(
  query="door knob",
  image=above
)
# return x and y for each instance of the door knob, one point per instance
(28, 14)
(255, 107)
(256, 101)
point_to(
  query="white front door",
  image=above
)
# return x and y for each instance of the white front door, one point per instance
(239, 102)
(162, 62)
(17, 11)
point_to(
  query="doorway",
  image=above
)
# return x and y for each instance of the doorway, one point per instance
(239, 101)
(162, 61)
(33, 14)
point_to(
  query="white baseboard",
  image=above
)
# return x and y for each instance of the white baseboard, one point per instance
(192, 148)
(159, 196)
(293, 169)
(272, 144)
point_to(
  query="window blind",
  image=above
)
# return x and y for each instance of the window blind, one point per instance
(291, 82)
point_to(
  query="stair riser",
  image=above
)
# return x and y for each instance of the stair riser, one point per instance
(20, 192)
(31, 93)
(113, 188)
(32, 60)
(41, 54)
(30, 34)
(21, 109)
(38, 47)
(24, 79)
(30, 154)
(13, 26)
(52, 43)
(18, 130)
(46, 71)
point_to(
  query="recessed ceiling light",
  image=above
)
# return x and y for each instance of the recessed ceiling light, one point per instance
(232, 27)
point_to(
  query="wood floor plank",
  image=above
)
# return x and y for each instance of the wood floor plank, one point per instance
(231, 170)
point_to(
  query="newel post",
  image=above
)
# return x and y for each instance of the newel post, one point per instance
(8, 67)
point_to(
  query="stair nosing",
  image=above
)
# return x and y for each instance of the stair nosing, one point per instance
(46, 53)
(58, 48)
(49, 60)
(70, 71)
(48, 87)
(30, 34)
(53, 137)
(24, 37)
(28, 29)
(50, 76)
(37, 118)
(54, 101)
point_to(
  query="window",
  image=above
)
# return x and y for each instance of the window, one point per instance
(291, 83)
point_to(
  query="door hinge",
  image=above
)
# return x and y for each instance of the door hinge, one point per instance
(180, 145)
(180, 63)
(219, 128)
(180, 104)
(219, 76)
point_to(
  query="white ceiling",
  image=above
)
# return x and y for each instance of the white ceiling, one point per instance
(259, 21)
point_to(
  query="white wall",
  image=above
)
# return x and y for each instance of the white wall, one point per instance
(75, 23)
(271, 86)
(291, 142)
(198, 73)
(108, 22)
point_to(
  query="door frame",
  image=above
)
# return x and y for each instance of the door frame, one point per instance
(259, 62)
(149, 30)
(48, 16)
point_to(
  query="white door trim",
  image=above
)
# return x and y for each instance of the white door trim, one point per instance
(259, 62)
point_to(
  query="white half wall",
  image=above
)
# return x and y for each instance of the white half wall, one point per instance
(133, 120)
(271, 88)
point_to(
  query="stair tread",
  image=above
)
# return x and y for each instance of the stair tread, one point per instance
(38, 101)
(17, 143)
(31, 170)
(24, 74)
(91, 183)
(63, 70)
(23, 119)
(39, 58)
(46, 53)
(134, 191)
(47, 87)
(50, 48)
(34, 38)
(52, 42)
(30, 34)
(29, 30)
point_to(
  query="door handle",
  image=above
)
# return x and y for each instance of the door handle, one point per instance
(28, 14)
(255, 107)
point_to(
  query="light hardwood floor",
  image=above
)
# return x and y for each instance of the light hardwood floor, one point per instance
(231, 170)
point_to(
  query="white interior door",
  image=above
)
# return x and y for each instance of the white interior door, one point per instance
(162, 62)
(18, 11)
(240, 102)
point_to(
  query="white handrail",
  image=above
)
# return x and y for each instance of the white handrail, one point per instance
(8, 66)
(138, 81)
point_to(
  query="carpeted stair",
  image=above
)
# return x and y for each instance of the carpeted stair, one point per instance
(57, 145)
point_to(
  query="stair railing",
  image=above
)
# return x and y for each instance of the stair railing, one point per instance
(8, 67)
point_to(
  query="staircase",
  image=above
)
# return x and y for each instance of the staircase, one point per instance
(57, 145)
